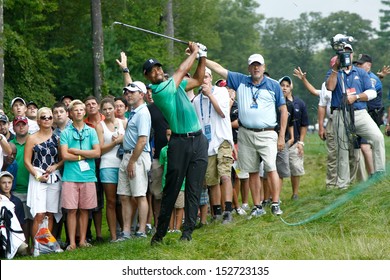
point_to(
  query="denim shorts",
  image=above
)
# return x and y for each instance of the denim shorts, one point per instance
(109, 175)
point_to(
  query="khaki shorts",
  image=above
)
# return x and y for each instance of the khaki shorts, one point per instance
(220, 164)
(157, 173)
(256, 145)
(138, 185)
(180, 200)
(296, 161)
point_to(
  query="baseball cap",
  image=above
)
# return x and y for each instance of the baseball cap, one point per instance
(332, 61)
(362, 58)
(18, 99)
(348, 46)
(135, 86)
(285, 78)
(20, 119)
(221, 83)
(208, 71)
(6, 173)
(256, 58)
(4, 118)
(148, 65)
(32, 103)
(66, 96)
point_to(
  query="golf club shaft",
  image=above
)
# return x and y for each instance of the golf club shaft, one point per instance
(151, 32)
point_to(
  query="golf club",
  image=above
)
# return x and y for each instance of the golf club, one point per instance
(151, 32)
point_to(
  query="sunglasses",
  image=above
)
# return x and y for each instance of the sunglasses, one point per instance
(46, 118)
(133, 86)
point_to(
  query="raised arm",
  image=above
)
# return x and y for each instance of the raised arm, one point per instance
(217, 68)
(123, 66)
(302, 76)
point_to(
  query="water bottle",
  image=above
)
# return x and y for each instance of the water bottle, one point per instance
(115, 134)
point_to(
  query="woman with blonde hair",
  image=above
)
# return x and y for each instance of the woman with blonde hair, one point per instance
(42, 160)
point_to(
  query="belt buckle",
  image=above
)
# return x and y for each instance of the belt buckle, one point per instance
(189, 134)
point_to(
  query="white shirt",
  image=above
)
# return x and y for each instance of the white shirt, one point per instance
(221, 128)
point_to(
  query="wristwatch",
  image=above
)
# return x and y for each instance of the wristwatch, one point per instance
(357, 97)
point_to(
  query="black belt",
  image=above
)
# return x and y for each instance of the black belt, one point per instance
(188, 134)
(259, 129)
(128, 151)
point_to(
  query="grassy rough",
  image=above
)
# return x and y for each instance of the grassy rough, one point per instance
(358, 229)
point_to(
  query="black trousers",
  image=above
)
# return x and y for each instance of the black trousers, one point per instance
(187, 158)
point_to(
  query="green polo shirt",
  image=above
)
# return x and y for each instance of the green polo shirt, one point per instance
(175, 106)
(84, 140)
(23, 174)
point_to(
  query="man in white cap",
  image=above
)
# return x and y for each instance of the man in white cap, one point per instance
(19, 109)
(136, 162)
(257, 96)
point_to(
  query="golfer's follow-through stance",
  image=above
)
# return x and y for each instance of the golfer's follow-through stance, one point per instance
(187, 149)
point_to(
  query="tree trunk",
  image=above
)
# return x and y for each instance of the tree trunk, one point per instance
(170, 31)
(97, 46)
(1, 56)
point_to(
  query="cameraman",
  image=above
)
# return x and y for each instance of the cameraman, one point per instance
(351, 89)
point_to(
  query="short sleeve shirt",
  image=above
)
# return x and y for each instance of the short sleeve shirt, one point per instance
(175, 106)
(84, 140)
(267, 95)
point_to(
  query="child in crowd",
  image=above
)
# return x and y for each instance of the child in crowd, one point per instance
(12, 216)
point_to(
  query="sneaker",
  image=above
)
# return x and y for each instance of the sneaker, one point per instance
(256, 212)
(227, 217)
(177, 231)
(156, 240)
(245, 207)
(294, 197)
(99, 239)
(125, 235)
(171, 231)
(149, 229)
(240, 211)
(185, 237)
(216, 218)
(266, 203)
(275, 209)
(23, 249)
(140, 234)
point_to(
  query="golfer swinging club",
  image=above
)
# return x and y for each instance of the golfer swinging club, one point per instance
(187, 149)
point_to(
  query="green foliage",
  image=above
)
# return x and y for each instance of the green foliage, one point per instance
(48, 44)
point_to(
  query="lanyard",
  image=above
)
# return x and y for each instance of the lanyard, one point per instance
(201, 107)
(255, 94)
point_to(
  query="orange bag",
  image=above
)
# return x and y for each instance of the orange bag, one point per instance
(44, 241)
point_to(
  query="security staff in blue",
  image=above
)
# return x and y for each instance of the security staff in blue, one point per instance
(351, 89)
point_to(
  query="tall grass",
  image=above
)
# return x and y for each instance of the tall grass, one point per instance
(358, 228)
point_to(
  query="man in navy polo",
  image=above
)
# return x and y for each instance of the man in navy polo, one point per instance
(258, 97)
(351, 89)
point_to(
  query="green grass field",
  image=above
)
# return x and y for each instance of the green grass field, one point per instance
(348, 224)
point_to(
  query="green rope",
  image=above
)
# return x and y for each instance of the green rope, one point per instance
(362, 186)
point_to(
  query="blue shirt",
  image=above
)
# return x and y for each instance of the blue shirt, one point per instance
(268, 96)
(357, 79)
(139, 124)
(83, 140)
(300, 117)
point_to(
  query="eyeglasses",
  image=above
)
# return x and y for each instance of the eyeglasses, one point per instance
(46, 118)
